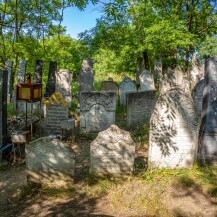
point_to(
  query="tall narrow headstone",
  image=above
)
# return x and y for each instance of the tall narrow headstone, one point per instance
(139, 108)
(51, 81)
(21, 71)
(112, 153)
(38, 71)
(64, 84)
(158, 69)
(8, 66)
(208, 128)
(174, 128)
(146, 81)
(97, 111)
(86, 77)
(3, 108)
(126, 86)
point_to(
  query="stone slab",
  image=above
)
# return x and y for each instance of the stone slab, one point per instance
(146, 81)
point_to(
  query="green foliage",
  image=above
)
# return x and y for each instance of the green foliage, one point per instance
(4, 165)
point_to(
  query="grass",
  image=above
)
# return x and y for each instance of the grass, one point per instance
(10, 110)
(4, 166)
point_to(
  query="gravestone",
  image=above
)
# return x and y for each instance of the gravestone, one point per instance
(55, 111)
(50, 162)
(86, 77)
(146, 81)
(38, 71)
(21, 71)
(158, 70)
(208, 129)
(8, 66)
(112, 153)
(97, 111)
(64, 84)
(139, 108)
(3, 109)
(110, 85)
(174, 127)
(126, 86)
(197, 96)
(51, 81)
(175, 77)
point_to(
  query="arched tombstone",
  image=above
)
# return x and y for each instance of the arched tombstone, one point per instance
(173, 131)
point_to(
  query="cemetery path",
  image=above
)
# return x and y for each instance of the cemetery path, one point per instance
(16, 199)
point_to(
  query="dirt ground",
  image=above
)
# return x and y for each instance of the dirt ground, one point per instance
(180, 203)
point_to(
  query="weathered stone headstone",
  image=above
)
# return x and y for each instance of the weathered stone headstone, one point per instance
(158, 70)
(112, 153)
(175, 77)
(126, 86)
(50, 161)
(8, 66)
(21, 71)
(197, 96)
(55, 111)
(38, 71)
(97, 111)
(110, 85)
(173, 136)
(3, 108)
(64, 84)
(86, 77)
(208, 129)
(146, 81)
(51, 81)
(139, 108)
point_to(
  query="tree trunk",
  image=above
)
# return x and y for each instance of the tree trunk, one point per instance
(146, 61)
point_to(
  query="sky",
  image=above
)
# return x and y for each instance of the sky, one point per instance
(77, 21)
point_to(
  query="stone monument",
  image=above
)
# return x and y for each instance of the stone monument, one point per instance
(139, 108)
(126, 86)
(21, 71)
(64, 84)
(208, 128)
(51, 81)
(38, 71)
(50, 161)
(97, 111)
(3, 109)
(174, 128)
(112, 153)
(86, 77)
(146, 81)
(8, 66)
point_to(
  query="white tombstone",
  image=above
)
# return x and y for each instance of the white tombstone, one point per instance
(112, 153)
(126, 86)
(146, 81)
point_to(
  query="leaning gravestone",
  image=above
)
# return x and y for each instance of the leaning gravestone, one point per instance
(110, 85)
(64, 84)
(3, 108)
(51, 81)
(55, 111)
(38, 71)
(112, 153)
(86, 77)
(197, 95)
(208, 129)
(146, 81)
(139, 108)
(50, 161)
(173, 131)
(126, 86)
(97, 111)
(8, 66)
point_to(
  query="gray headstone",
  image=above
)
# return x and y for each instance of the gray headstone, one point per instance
(208, 127)
(173, 136)
(51, 81)
(55, 111)
(146, 81)
(86, 77)
(97, 111)
(197, 96)
(38, 71)
(64, 84)
(50, 161)
(8, 66)
(110, 85)
(21, 71)
(3, 108)
(140, 68)
(126, 86)
(139, 108)
(112, 153)
(175, 77)
(158, 69)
